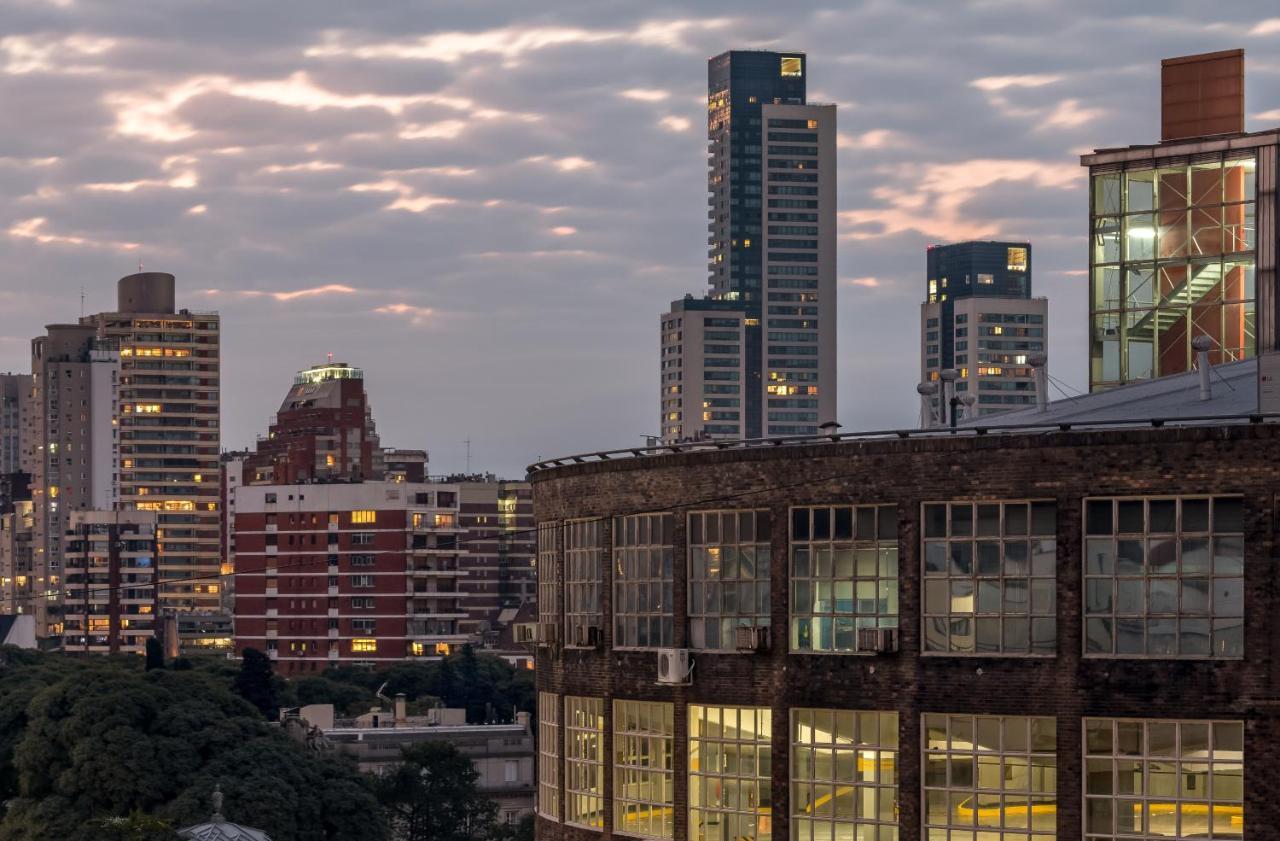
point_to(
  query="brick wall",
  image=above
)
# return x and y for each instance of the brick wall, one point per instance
(1065, 466)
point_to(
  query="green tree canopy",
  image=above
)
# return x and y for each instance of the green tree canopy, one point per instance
(432, 796)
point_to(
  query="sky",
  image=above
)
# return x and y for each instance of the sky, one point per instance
(486, 205)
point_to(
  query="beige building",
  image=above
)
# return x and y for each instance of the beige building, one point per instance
(109, 567)
(169, 431)
(17, 571)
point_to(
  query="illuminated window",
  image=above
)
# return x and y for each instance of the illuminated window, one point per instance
(1017, 261)
(329, 460)
(1164, 577)
(364, 646)
(584, 761)
(728, 575)
(813, 124)
(642, 558)
(730, 773)
(986, 279)
(549, 755)
(1193, 773)
(643, 768)
(417, 649)
(442, 648)
(583, 572)
(147, 408)
(844, 574)
(363, 517)
(990, 579)
(843, 774)
(179, 505)
(444, 521)
(998, 774)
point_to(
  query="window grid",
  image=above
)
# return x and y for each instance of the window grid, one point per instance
(996, 776)
(642, 567)
(549, 755)
(1163, 779)
(1172, 257)
(730, 772)
(729, 568)
(644, 768)
(1164, 577)
(584, 761)
(844, 775)
(990, 580)
(583, 571)
(548, 574)
(844, 574)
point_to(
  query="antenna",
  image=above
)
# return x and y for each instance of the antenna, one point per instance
(330, 358)
(82, 302)
(468, 443)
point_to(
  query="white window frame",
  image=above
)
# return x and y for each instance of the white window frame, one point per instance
(548, 800)
(644, 760)
(748, 750)
(583, 542)
(706, 589)
(833, 749)
(548, 570)
(584, 736)
(643, 573)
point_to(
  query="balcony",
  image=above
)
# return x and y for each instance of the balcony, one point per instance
(333, 590)
(333, 633)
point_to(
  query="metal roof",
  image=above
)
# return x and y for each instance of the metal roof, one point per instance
(1233, 387)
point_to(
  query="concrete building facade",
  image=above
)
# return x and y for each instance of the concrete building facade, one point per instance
(110, 605)
(169, 431)
(756, 356)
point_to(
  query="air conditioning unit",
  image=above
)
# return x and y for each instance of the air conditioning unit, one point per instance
(674, 666)
(750, 640)
(878, 640)
(587, 636)
(547, 633)
(526, 633)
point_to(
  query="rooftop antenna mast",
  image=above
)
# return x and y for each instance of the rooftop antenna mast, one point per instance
(468, 443)
(82, 302)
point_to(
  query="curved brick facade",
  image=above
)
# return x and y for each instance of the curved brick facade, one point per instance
(1236, 686)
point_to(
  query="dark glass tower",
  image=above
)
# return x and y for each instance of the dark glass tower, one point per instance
(738, 83)
(974, 270)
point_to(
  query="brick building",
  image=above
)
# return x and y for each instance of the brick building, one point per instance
(1051, 631)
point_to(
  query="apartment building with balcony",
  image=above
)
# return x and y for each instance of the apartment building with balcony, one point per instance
(110, 606)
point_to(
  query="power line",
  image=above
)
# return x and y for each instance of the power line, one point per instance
(462, 543)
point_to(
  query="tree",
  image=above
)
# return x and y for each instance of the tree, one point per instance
(254, 683)
(138, 826)
(155, 654)
(432, 796)
(106, 739)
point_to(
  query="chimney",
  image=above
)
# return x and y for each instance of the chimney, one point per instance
(1202, 345)
(1039, 363)
(522, 720)
(927, 391)
(949, 377)
(1202, 95)
(401, 716)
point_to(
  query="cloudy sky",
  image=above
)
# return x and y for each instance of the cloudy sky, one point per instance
(487, 204)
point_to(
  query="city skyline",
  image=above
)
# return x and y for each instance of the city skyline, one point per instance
(329, 184)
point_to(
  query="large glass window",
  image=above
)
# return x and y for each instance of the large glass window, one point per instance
(1164, 577)
(548, 573)
(996, 776)
(584, 761)
(1172, 258)
(1163, 779)
(844, 782)
(583, 570)
(844, 574)
(728, 575)
(990, 578)
(643, 768)
(549, 755)
(730, 769)
(642, 564)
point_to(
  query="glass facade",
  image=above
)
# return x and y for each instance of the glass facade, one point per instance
(584, 761)
(844, 784)
(729, 566)
(730, 768)
(549, 755)
(1163, 779)
(989, 778)
(643, 615)
(583, 570)
(1172, 257)
(643, 768)
(1164, 577)
(844, 574)
(990, 578)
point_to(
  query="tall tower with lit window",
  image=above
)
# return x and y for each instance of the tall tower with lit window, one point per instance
(169, 433)
(755, 357)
